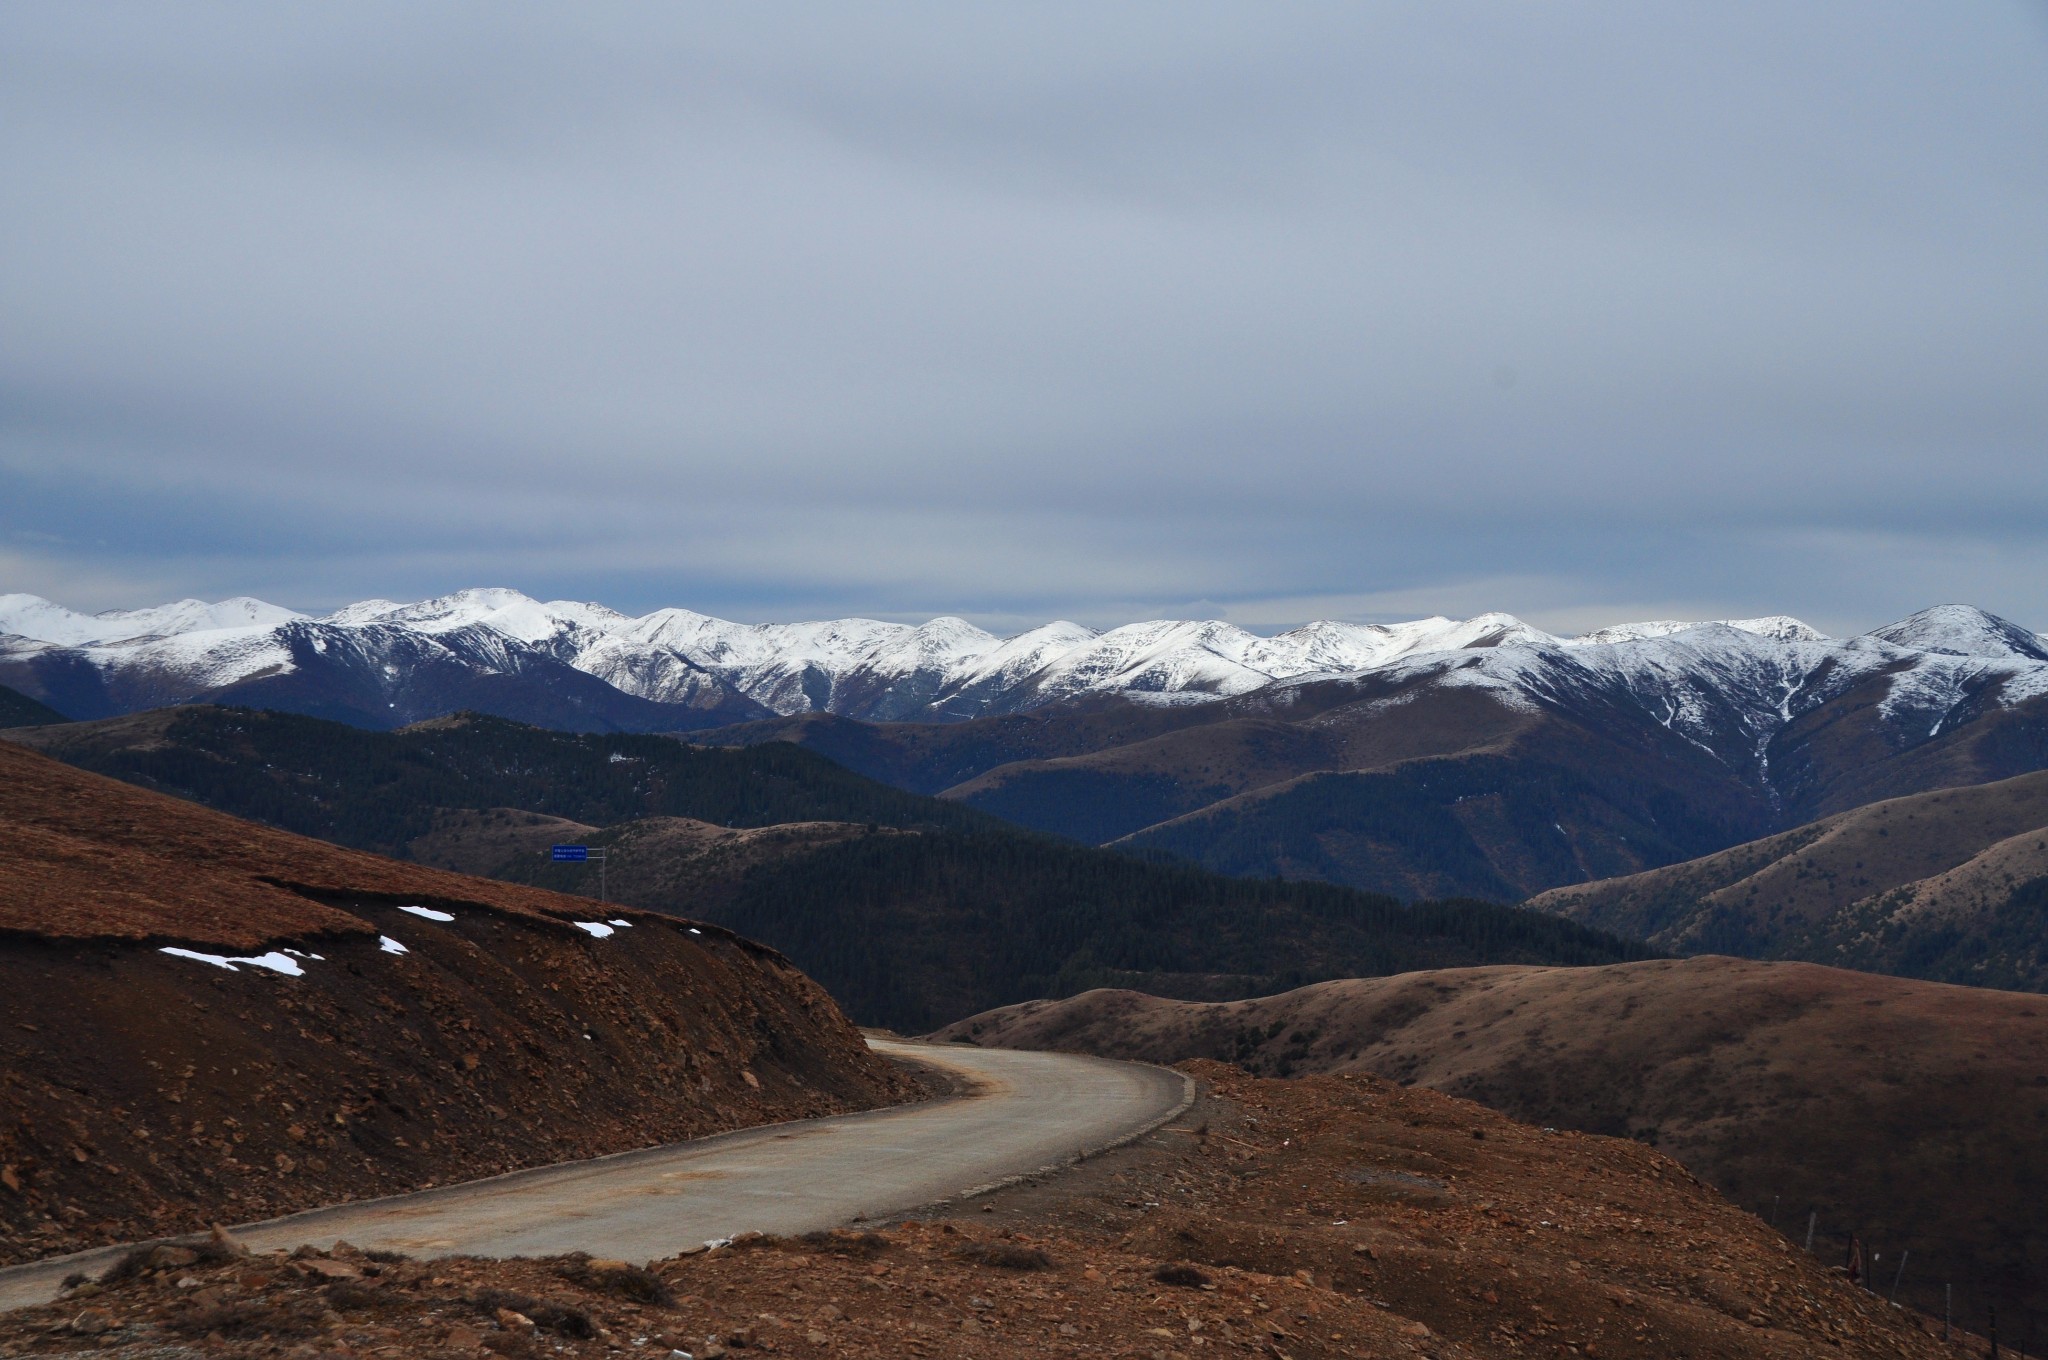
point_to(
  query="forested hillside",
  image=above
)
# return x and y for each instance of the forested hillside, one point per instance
(380, 790)
(915, 930)
(18, 710)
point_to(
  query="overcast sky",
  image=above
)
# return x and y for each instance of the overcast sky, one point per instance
(1263, 311)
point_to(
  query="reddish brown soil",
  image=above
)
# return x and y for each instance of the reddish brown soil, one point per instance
(145, 1093)
(1909, 1113)
(1332, 1216)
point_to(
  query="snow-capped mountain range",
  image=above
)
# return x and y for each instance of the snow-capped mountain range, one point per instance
(574, 665)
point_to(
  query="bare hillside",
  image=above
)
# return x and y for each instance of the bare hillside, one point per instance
(1906, 1112)
(203, 1019)
(1951, 886)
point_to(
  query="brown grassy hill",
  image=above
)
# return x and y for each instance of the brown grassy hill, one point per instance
(1950, 886)
(1402, 788)
(1912, 1114)
(670, 862)
(334, 1044)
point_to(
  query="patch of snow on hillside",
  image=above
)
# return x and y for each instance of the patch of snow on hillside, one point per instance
(275, 961)
(597, 929)
(428, 913)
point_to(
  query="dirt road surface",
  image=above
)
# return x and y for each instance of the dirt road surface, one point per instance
(1024, 1112)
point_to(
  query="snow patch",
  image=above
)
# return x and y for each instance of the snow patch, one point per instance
(275, 961)
(597, 929)
(428, 913)
(387, 945)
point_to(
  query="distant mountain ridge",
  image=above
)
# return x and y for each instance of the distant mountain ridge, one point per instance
(585, 667)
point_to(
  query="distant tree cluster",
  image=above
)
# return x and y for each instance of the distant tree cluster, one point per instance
(914, 931)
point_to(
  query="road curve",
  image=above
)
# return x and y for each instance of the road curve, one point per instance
(1025, 1112)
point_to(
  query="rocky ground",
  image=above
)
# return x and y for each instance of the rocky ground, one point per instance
(1318, 1217)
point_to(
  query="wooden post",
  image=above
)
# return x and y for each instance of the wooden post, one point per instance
(1811, 1219)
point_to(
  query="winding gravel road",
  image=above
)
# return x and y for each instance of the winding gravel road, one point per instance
(1025, 1112)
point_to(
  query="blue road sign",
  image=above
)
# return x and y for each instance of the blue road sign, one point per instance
(573, 854)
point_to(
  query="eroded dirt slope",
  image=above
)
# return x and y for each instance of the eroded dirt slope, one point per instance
(341, 1026)
(1909, 1113)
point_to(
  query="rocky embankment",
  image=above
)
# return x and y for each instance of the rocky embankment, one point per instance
(203, 1019)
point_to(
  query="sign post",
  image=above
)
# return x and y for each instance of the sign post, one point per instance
(583, 854)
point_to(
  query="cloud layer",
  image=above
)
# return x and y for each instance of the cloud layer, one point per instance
(1579, 311)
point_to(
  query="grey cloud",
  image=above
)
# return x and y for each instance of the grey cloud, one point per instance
(1029, 312)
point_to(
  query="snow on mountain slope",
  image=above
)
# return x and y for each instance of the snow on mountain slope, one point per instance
(31, 616)
(1729, 689)
(1727, 686)
(1780, 626)
(1962, 630)
(786, 667)
(562, 628)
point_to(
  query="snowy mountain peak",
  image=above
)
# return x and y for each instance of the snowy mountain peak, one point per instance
(32, 616)
(1962, 630)
(1781, 627)
(1777, 627)
(946, 639)
(947, 668)
(504, 611)
(363, 611)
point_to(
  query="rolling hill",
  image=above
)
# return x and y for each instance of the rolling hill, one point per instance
(1907, 1113)
(1951, 886)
